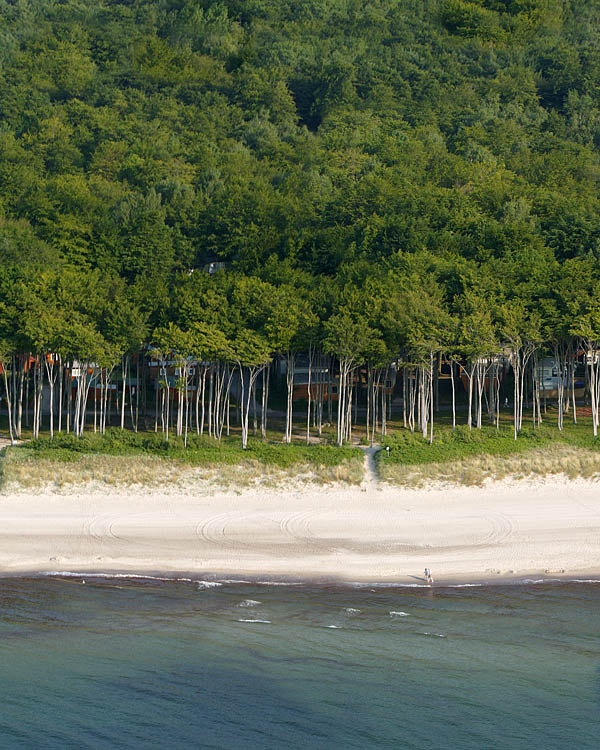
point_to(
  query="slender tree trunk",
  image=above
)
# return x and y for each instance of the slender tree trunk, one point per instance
(573, 373)
(368, 437)
(20, 402)
(309, 392)
(470, 411)
(453, 395)
(289, 377)
(431, 404)
(203, 396)
(8, 404)
(124, 380)
(210, 400)
(264, 402)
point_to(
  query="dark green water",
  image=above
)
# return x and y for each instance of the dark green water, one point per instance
(119, 663)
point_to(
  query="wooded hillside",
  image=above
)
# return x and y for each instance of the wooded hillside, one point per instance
(384, 180)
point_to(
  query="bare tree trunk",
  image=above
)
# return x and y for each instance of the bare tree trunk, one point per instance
(289, 377)
(20, 401)
(309, 392)
(453, 395)
(431, 393)
(264, 402)
(124, 380)
(470, 407)
(369, 398)
(203, 395)
(8, 405)
(329, 394)
(341, 413)
(560, 362)
(210, 400)
(404, 396)
(573, 372)
(137, 392)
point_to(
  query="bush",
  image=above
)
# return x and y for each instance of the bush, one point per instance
(411, 448)
(201, 449)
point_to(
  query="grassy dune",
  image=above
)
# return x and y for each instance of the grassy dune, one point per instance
(473, 457)
(127, 459)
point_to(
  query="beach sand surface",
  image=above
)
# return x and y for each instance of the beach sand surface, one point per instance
(506, 530)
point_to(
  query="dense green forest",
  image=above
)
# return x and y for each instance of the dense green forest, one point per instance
(375, 183)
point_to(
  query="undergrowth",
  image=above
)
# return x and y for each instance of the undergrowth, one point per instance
(201, 449)
(126, 458)
(470, 457)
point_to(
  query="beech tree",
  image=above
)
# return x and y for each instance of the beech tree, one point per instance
(290, 329)
(251, 352)
(346, 337)
(521, 330)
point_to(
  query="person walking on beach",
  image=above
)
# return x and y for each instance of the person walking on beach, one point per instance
(428, 576)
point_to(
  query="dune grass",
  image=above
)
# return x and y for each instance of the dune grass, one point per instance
(471, 457)
(125, 459)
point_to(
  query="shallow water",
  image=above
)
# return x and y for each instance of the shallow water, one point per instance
(133, 663)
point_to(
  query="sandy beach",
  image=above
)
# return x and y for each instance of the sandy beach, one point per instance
(507, 530)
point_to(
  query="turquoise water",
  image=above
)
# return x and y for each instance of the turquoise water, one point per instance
(120, 663)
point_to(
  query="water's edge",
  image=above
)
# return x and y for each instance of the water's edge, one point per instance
(208, 580)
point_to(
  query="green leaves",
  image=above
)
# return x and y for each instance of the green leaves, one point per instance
(250, 349)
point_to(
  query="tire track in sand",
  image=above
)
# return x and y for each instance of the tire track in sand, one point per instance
(216, 529)
(99, 528)
(298, 525)
(502, 528)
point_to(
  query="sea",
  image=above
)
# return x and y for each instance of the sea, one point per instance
(141, 662)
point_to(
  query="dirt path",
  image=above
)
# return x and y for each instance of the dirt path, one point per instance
(371, 479)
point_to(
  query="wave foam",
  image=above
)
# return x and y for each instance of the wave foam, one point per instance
(463, 585)
(135, 576)
(208, 585)
(394, 613)
(266, 622)
(386, 585)
(249, 603)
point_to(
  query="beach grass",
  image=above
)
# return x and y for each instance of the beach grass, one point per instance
(126, 458)
(472, 457)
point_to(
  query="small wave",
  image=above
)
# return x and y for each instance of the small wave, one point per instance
(361, 585)
(266, 622)
(221, 581)
(208, 584)
(279, 583)
(435, 635)
(394, 613)
(333, 627)
(585, 580)
(135, 576)
(249, 603)
(463, 585)
(351, 610)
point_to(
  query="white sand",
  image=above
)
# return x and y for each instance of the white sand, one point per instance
(507, 530)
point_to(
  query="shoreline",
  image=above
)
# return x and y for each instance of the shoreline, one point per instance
(505, 533)
(215, 581)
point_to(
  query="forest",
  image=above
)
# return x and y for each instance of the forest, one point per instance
(202, 201)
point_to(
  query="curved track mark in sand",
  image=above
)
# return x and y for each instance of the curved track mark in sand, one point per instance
(298, 525)
(214, 529)
(100, 528)
(502, 528)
